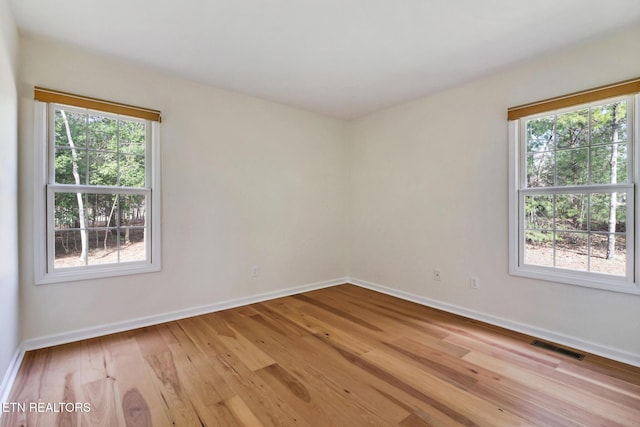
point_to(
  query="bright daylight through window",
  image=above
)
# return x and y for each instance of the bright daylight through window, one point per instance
(98, 206)
(573, 209)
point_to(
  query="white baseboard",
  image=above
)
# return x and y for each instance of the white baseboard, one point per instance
(97, 331)
(10, 375)
(584, 345)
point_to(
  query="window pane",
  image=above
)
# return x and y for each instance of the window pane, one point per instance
(572, 129)
(572, 166)
(541, 169)
(609, 212)
(540, 134)
(65, 213)
(132, 244)
(540, 152)
(103, 168)
(604, 170)
(69, 123)
(68, 249)
(132, 216)
(100, 210)
(103, 246)
(70, 147)
(572, 250)
(70, 166)
(539, 248)
(571, 211)
(132, 171)
(539, 212)
(102, 133)
(132, 137)
(132, 210)
(608, 254)
(609, 123)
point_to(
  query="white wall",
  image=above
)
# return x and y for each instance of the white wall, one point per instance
(429, 190)
(245, 182)
(9, 306)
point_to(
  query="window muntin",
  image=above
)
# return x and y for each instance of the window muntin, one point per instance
(575, 195)
(101, 184)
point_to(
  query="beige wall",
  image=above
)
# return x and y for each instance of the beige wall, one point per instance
(429, 190)
(245, 182)
(9, 302)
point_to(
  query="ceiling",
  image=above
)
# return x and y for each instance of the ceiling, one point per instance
(343, 58)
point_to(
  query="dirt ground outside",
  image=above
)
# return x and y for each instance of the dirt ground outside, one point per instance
(576, 259)
(128, 253)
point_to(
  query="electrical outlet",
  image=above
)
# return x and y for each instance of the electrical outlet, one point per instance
(436, 275)
(254, 271)
(474, 282)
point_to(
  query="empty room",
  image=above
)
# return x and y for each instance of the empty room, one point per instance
(319, 213)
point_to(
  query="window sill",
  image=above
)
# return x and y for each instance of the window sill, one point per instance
(577, 278)
(96, 272)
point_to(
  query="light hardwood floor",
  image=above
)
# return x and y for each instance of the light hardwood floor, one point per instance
(341, 356)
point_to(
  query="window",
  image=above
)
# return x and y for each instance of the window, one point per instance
(573, 173)
(98, 193)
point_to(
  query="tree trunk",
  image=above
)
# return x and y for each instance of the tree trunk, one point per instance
(62, 241)
(107, 231)
(613, 202)
(76, 176)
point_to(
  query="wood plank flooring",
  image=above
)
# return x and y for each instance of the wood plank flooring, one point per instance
(341, 356)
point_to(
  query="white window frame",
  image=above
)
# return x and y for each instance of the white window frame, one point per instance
(517, 190)
(45, 188)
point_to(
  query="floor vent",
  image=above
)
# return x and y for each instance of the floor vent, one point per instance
(557, 349)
